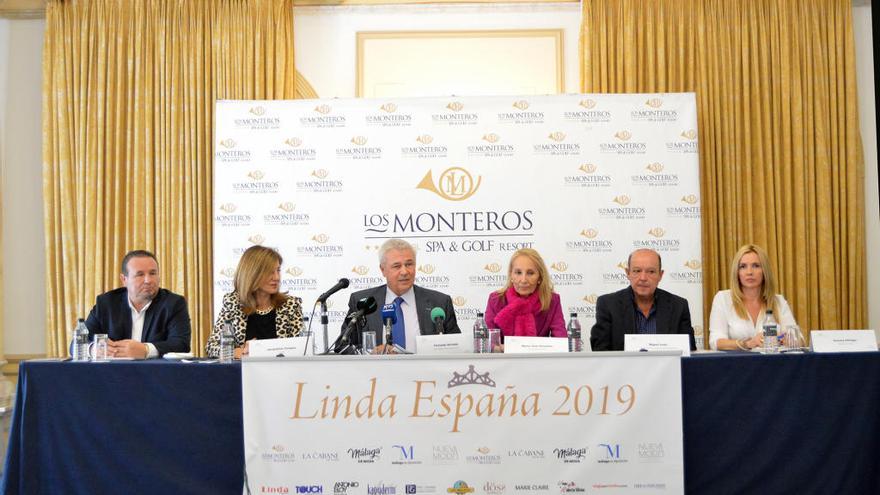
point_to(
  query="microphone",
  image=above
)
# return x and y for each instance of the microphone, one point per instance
(438, 316)
(389, 316)
(364, 307)
(342, 284)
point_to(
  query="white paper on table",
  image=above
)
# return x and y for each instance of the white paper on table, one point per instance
(532, 345)
(287, 347)
(651, 342)
(448, 343)
(843, 340)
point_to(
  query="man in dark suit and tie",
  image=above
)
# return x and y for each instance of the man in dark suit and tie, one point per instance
(140, 319)
(641, 307)
(412, 304)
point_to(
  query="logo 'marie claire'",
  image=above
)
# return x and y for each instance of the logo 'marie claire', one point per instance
(454, 184)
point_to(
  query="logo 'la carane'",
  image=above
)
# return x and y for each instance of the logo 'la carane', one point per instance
(454, 184)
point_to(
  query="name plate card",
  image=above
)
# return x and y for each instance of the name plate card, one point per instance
(450, 343)
(534, 345)
(657, 342)
(843, 340)
(289, 347)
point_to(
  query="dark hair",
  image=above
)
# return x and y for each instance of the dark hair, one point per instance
(137, 253)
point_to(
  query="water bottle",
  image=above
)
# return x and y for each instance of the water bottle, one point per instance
(575, 344)
(80, 341)
(771, 334)
(227, 343)
(481, 335)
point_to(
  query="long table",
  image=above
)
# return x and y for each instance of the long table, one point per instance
(752, 424)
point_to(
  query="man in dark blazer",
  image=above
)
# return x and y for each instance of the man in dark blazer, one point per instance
(141, 319)
(397, 261)
(641, 307)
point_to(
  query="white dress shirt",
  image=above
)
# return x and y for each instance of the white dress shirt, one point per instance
(410, 316)
(137, 327)
(724, 323)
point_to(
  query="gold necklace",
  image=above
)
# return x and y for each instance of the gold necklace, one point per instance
(264, 312)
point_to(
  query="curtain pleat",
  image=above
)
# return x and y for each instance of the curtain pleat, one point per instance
(781, 161)
(128, 114)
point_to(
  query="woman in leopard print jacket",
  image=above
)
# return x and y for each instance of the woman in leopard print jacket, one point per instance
(257, 308)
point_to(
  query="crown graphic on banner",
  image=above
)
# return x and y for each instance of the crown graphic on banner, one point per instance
(470, 377)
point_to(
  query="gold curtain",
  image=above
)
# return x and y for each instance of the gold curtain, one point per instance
(128, 111)
(781, 160)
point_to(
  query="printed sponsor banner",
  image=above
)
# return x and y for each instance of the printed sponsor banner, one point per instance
(473, 424)
(584, 179)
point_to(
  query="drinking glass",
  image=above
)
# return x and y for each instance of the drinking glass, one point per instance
(494, 340)
(99, 347)
(793, 339)
(368, 342)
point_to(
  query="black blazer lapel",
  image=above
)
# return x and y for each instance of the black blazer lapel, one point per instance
(664, 311)
(123, 317)
(423, 310)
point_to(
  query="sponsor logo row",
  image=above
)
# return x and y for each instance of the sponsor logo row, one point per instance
(458, 487)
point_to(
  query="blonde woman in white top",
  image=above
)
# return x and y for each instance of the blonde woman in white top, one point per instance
(738, 314)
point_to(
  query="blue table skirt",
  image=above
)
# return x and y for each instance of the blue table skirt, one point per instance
(752, 424)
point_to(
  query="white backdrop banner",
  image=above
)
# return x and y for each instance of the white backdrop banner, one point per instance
(470, 424)
(584, 179)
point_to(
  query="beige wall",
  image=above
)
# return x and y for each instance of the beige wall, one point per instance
(21, 46)
(325, 42)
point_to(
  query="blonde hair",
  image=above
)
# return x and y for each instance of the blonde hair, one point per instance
(768, 284)
(255, 265)
(545, 286)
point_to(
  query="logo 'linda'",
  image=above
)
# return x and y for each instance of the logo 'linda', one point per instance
(623, 135)
(425, 139)
(588, 104)
(654, 103)
(287, 206)
(426, 269)
(454, 184)
(228, 143)
(690, 199)
(657, 232)
(693, 264)
(455, 106)
(293, 142)
(320, 173)
(256, 174)
(491, 137)
(622, 200)
(228, 207)
(590, 233)
(321, 238)
(459, 301)
(359, 140)
(258, 111)
(655, 167)
(560, 266)
(294, 271)
(389, 107)
(324, 109)
(360, 270)
(588, 168)
(492, 267)
(256, 239)
(521, 104)
(557, 136)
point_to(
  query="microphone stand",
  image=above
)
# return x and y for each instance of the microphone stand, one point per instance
(324, 322)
